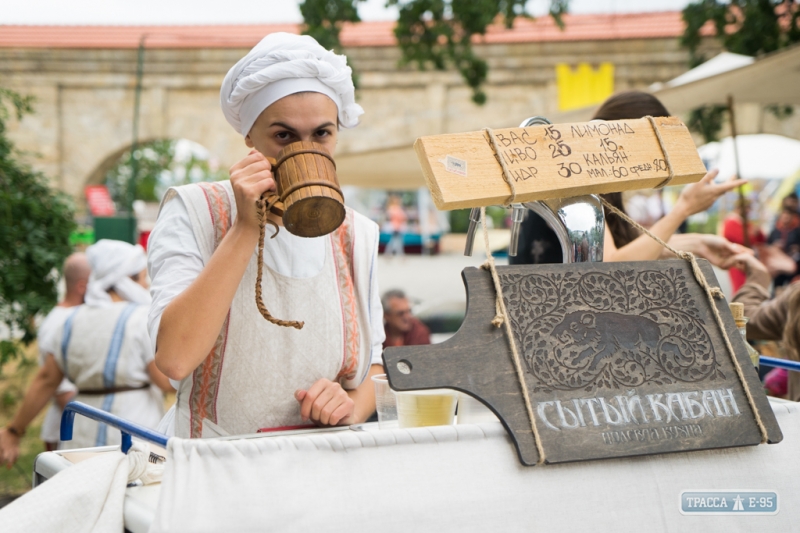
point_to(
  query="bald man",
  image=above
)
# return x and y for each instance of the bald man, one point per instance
(76, 276)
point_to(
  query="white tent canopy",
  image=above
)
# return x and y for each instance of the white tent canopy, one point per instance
(724, 62)
(773, 79)
(762, 156)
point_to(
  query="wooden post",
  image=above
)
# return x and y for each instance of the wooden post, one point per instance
(557, 160)
(740, 189)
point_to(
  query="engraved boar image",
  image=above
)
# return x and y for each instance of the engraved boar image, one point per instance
(600, 336)
(597, 330)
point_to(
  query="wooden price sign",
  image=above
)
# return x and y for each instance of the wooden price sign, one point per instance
(557, 161)
(619, 359)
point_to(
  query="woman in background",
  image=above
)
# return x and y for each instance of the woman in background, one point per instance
(622, 241)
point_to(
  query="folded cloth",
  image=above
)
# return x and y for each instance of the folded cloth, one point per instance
(113, 263)
(85, 498)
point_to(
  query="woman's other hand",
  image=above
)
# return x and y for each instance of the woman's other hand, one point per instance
(9, 447)
(755, 270)
(326, 403)
(717, 250)
(250, 178)
(775, 260)
(699, 196)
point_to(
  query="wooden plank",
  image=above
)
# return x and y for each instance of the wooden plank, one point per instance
(556, 161)
(620, 359)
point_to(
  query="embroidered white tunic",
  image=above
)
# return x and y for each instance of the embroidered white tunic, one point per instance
(104, 348)
(248, 380)
(49, 328)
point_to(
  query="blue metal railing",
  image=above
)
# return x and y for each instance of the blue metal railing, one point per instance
(127, 428)
(779, 363)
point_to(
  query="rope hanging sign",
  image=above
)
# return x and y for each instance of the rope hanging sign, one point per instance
(593, 360)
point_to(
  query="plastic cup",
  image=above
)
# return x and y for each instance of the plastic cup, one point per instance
(471, 411)
(434, 407)
(385, 402)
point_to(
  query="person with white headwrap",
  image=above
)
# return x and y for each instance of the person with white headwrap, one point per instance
(116, 266)
(235, 372)
(104, 349)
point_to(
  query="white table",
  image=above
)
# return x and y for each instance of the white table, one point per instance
(450, 478)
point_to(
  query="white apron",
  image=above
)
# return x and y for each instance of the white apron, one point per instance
(104, 348)
(248, 380)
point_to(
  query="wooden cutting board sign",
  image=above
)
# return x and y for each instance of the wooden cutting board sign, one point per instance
(620, 359)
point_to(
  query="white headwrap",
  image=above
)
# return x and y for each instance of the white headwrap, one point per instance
(280, 65)
(113, 262)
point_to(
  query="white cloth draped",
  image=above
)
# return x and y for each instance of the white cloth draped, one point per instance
(113, 263)
(85, 498)
(280, 65)
(464, 478)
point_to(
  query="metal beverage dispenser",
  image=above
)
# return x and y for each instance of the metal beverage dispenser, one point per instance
(578, 222)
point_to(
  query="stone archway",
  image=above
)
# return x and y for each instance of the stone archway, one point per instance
(188, 161)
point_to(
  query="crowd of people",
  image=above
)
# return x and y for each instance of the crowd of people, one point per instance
(115, 345)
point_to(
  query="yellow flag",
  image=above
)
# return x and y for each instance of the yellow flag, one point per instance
(583, 86)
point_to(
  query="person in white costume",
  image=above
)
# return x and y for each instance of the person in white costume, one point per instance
(235, 372)
(76, 277)
(105, 351)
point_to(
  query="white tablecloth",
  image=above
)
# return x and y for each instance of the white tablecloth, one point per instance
(459, 478)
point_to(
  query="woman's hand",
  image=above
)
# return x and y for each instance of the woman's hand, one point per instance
(775, 260)
(325, 403)
(250, 178)
(754, 269)
(700, 196)
(717, 250)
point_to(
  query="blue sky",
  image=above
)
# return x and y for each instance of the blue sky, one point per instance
(243, 11)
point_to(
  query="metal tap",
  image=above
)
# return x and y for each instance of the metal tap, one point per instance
(579, 222)
(474, 220)
(518, 212)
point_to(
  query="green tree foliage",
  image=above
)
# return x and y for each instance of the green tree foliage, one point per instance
(36, 222)
(158, 168)
(439, 33)
(707, 121)
(431, 33)
(324, 20)
(748, 27)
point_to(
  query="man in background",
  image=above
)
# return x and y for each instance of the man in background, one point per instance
(786, 236)
(397, 222)
(76, 276)
(402, 328)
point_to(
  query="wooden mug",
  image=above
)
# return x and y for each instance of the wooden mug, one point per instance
(310, 200)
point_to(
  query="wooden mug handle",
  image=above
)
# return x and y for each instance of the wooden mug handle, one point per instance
(277, 208)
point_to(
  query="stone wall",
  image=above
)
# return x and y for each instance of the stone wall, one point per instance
(85, 98)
